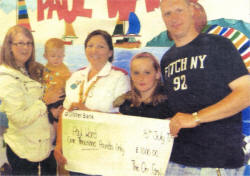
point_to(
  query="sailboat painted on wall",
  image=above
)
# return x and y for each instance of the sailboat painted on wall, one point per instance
(69, 34)
(129, 39)
(22, 15)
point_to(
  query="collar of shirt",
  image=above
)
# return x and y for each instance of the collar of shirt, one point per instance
(103, 72)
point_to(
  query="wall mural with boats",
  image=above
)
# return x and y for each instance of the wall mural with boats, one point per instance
(128, 38)
(135, 25)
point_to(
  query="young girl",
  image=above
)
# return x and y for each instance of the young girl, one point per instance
(146, 97)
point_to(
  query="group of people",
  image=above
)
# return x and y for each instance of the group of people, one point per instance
(205, 86)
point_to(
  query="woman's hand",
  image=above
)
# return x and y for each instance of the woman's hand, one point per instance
(179, 121)
(56, 111)
(61, 160)
(78, 106)
(54, 97)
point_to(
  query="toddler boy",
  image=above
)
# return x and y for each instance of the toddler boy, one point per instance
(55, 75)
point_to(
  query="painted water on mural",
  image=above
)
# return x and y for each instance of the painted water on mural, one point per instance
(75, 56)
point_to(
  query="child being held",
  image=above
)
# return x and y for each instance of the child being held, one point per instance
(55, 75)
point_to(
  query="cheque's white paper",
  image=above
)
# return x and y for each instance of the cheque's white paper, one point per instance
(114, 144)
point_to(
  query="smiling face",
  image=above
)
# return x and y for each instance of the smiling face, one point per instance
(55, 56)
(178, 18)
(97, 51)
(21, 48)
(144, 76)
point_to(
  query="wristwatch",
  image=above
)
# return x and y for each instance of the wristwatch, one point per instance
(196, 118)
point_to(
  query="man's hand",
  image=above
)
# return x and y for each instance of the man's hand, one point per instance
(179, 121)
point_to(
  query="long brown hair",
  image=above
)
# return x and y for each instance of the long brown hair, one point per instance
(33, 68)
(157, 96)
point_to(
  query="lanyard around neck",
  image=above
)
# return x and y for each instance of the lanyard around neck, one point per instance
(82, 98)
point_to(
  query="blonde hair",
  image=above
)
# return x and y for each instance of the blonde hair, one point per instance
(8, 58)
(54, 43)
(157, 96)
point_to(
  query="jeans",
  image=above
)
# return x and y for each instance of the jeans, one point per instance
(175, 169)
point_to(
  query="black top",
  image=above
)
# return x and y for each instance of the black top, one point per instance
(160, 111)
(196, 76)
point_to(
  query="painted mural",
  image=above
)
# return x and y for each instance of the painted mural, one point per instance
(135, 25)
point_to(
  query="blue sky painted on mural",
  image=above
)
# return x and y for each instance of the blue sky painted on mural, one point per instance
(9, 5)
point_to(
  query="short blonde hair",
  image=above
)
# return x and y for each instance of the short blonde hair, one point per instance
(54, 43)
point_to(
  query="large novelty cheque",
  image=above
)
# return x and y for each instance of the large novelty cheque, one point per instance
(114, 144)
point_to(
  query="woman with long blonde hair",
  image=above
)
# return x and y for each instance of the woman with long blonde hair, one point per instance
(29, 134)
